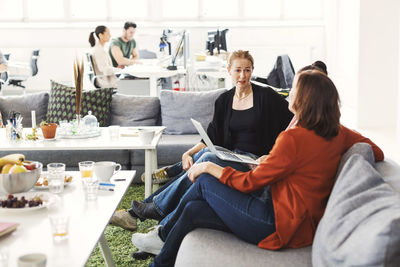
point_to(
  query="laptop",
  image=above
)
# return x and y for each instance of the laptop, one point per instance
(224, 155)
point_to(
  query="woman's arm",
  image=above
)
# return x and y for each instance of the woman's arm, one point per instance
(355, 137)
(187, 160)
(277, 165)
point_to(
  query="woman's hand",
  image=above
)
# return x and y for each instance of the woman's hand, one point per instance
(187, 161)
(259, 160)
(196, 170)
(262, 158)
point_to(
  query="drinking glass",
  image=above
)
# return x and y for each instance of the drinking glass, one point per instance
(56, 177)
(59, 227)
(90, 189)
(86, 168)
(114, 131)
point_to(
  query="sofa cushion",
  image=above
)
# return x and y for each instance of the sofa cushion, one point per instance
(127, 110)
(211, 248)
(361, 224)
(178, 107)
(24, 105)
(62, 103)
(363, 149)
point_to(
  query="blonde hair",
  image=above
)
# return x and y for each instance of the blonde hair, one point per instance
(241, 54)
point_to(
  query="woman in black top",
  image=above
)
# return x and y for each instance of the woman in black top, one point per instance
(247, 119)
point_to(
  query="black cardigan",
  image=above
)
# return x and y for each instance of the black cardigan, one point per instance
(273, 116)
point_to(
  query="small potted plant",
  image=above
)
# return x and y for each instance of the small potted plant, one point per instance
(48, 129)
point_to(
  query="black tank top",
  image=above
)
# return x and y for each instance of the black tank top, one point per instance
(243, 130)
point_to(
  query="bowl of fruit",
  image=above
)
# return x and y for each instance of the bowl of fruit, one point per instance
(17, 174)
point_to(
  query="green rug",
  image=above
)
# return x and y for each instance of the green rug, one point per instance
(119, 240)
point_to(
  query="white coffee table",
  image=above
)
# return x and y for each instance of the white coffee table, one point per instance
(88, 220)
(128, 140)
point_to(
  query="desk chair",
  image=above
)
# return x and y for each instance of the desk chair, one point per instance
(17, 79)
(90, 70)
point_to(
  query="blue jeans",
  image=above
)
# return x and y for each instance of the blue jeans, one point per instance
(210, 204)
(176, 169)
(166, 201)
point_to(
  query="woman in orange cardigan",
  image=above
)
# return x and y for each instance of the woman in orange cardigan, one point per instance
(297, 178)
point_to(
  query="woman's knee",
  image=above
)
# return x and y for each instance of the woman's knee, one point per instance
(207, 156)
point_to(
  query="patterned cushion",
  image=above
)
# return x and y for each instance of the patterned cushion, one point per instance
(62, 103)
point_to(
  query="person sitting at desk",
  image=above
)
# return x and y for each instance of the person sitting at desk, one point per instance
(105, 72)
(3, 62)
(123, 50)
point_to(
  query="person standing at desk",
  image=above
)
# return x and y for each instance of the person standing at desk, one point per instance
(123, 50)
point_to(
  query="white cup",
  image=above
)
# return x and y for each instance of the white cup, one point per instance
(146, 136)
(32, 260)
(104, 170)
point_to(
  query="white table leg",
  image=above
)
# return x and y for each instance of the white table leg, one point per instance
(153, 85)
(148, 164)
(154, 167)
(105, 250)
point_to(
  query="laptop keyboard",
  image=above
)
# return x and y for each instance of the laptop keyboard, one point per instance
(230, 155)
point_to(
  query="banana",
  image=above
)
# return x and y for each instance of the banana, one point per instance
(12, 159)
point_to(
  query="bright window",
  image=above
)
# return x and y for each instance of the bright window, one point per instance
(10, 9)
(88, 9)
(180, 8)
(45, 9)
(220, 8)
(304, 9)
(128, 9)
(262, 8)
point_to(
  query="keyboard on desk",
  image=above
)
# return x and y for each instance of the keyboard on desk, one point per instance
(229, 155)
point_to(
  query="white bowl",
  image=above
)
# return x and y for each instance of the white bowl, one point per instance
(20, 182)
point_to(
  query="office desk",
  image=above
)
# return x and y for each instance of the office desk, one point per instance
(149, 69)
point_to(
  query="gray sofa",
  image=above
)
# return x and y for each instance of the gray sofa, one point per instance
(360, 227)
(172, 109)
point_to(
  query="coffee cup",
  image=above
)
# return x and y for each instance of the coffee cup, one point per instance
(32, 260)
(146, 136)
(104, 170)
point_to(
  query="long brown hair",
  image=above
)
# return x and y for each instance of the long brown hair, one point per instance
(317, 104)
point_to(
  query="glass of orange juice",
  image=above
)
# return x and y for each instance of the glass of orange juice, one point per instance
(86, 168)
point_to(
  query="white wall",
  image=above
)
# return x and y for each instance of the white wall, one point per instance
(366, 61)
(61, 43)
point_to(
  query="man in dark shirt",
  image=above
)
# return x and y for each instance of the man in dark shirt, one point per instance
(123, 50)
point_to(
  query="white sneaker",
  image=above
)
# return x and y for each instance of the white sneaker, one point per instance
(149, 242)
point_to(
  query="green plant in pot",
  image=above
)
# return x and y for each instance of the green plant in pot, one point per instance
(48, 129)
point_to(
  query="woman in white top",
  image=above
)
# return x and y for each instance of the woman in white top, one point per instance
(103, 67)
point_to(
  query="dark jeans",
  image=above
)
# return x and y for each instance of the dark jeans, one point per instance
(210, 204)
(167, 200)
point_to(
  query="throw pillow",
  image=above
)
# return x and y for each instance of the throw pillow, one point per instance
(24, 105)
(129, 110)
(62, 103)
(361, 224)
(178, 107)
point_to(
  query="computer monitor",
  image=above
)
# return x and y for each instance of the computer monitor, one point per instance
(216, 39)
(180, 49)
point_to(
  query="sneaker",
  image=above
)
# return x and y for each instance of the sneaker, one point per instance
(149, 242)
(159, 176)
(124, 219)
